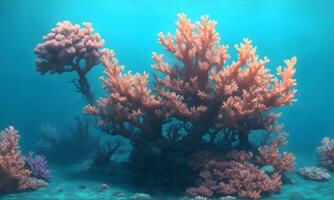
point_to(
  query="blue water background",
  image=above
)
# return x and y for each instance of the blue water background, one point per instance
(280, 29)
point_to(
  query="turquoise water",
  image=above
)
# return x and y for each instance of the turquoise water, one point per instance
(280, 30)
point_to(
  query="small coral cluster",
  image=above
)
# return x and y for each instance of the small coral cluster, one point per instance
(38, 166)
(326, 153)
(235, 176)
(282, 163)
(13, 174)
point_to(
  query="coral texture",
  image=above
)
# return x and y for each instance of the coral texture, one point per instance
(326, 153)
(38, 166)
(70, 48)
(270, 155)
(236, 176)
(14, 177)
(199, 87)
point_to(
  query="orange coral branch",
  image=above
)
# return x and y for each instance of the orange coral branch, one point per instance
(269, 155)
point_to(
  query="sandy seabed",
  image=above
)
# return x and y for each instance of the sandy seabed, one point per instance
(66, 182)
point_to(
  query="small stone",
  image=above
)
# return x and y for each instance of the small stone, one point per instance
(60, 189)
(121, 198)
(199, 198)
(140, 196)
(227, 198)
(268, 169)
(314, 173)
(103, 187)
(119, 194)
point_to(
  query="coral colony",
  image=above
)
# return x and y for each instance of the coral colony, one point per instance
(191, 131)
(14, 175)
(198, 103)
(70, 48)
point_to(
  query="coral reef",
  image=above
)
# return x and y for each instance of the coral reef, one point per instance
(70, 48)
(236, 176)
(13, 174)
(38, 166)
(314, 173)
(199, 103)
(326, 153)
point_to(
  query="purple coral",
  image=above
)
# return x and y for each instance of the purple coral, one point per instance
(38, 166)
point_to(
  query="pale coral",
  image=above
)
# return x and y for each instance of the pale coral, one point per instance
(14, 177)
(326, 153)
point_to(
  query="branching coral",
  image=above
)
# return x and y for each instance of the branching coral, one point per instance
(200, 87)
(270, 155)
(38, 166)
(203, 87)
(70, 48)
(14, 177)
(236, 176)
(195, 100)
(326, 153)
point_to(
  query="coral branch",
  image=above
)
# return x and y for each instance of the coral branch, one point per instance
(202, 87)
(129, 100)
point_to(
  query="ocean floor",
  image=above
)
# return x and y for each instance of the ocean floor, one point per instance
(68, 184)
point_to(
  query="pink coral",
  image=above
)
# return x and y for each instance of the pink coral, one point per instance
(270, 155)
(66, 48)
(199, 87)
(235, 177)
(194, 101)
(14, 177)
(326, 153)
